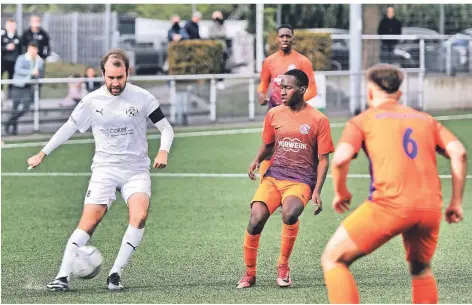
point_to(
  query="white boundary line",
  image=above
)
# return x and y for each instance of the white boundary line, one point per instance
(209, 133)
(176, 175)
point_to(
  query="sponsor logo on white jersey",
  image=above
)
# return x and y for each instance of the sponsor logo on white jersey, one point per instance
(119, 131)
(294, 145)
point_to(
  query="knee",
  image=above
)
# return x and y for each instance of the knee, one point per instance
(257, 221)
(418, 268)
(290, 218)
(138, 219)
(328, 260)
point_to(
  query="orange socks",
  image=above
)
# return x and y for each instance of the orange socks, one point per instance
(251, 244)
(288, 237)
(424, 290)
(342, 288)
(263, 167)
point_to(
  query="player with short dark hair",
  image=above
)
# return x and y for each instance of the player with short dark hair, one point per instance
(405, 191)
(300, 137)
(118, 114)
(273, 69)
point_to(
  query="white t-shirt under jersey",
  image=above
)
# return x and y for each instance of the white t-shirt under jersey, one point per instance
(119, 125)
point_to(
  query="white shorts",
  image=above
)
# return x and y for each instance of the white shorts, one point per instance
(105, 181)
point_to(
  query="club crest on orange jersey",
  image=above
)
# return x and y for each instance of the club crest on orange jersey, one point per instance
(304, 129)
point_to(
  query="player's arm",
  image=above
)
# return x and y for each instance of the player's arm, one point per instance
(325, 147)
(266, 148)
(312, 90)
(264, 83)
(455, 151)
(79, 120)
(159, 120)
(349, 144)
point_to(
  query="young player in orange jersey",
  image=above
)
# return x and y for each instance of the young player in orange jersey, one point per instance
(300, 137)
(405, 192)
(273, 70)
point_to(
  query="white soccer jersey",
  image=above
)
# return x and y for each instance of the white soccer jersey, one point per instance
(119, 125)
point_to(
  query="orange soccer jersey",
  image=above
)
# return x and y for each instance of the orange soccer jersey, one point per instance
(401, 145)
(299, 139)
(275, 66)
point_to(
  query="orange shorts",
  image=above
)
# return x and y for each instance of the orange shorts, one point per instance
(273, 192)
(263, 167)
(371, 225)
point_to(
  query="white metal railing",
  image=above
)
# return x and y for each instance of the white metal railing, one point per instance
(250, 77)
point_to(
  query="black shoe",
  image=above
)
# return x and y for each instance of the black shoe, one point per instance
(114, 282)
(59, 284)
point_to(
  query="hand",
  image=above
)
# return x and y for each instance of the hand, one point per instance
(176, 37)
(454, 213)
(35, 72)
(254, 165)
(161, 159)
(263, 100)
(317, 202)
(36, 160)
(341, 202)
(10, 46)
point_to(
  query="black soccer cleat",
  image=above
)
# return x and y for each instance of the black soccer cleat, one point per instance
(59, 284)
(114, 282)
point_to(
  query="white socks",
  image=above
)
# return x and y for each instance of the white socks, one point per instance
(130, 242)
(79, 238)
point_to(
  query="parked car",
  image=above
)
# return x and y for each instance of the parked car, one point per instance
(340, 48)
(148, 57)
(460, 54)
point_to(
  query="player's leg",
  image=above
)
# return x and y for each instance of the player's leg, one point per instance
(136, 192)
(265, 202)
(420, 244)
(98, 198)
(362, 232)
(295, 196)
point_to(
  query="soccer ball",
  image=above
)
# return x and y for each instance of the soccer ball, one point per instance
(86, 262)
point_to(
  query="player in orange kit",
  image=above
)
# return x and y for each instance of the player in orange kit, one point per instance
(300, 137)
(273, 69)
(405, 192)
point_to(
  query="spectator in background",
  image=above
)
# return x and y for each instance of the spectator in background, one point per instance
(74, 93)
(11, 49)
(91, 85)
(389, 25)
(192, 28)
(176, 32)
(217, 31)
(39, 35)
(28, 66)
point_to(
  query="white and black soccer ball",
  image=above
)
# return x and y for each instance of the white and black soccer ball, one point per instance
(86, 262)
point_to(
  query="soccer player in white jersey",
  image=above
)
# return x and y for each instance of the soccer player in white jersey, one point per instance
(117, 113)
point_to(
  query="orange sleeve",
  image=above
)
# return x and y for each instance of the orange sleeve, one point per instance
(268, 134)
(265, 78)
(311, 91)
(352, 134)
(443, 135)
(324, 139)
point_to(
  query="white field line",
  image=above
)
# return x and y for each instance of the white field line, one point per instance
(177, 175)
(209, 133)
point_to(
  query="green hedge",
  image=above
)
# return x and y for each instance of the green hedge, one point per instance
(315, 46)
(195, 57)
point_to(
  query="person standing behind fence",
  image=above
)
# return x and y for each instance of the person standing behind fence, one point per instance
(11, 49)
(39, 35)
(217, 31)
(176, 32)
(192, 28)
(91, 85)
(389, 25)
(28, 66)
